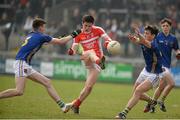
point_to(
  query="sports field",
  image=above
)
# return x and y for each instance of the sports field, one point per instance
(105, 102)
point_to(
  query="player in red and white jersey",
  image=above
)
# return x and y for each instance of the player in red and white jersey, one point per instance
(91, 54)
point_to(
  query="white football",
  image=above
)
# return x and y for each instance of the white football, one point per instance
(114, 47)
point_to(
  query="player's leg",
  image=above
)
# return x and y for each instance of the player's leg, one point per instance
(91, 55)
(144, 96)
(170, 84)
(90, 81)
(139, 80)
(39, 78)
(159, 90)
(18, 91)
(20, 81)
(142, 88)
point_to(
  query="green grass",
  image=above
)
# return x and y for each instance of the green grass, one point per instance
(105, 101)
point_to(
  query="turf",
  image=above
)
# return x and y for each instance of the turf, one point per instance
(105, 101)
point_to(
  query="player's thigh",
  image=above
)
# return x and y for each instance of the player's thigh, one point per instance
(38, 77)
(20, 83)
(144, 86)
(92, 77)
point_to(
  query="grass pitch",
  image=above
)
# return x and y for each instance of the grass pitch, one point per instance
(105, 101)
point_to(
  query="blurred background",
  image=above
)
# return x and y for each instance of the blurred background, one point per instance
(63, 16)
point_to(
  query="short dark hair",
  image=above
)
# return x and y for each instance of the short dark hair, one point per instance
(166, 20)
(37, 22)
(153, 29)
(88, 18)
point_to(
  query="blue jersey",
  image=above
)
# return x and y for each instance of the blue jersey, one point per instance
(166, 44)
(31, 45)
(153, 58)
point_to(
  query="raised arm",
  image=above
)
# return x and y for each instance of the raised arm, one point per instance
(63, 40)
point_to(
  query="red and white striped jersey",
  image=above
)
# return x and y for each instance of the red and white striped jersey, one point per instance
(91, 41)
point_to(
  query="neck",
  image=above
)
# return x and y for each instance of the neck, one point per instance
(166, 34)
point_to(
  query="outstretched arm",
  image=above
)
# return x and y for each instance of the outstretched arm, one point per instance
(63, 40)
(107, 40)
(139, 38)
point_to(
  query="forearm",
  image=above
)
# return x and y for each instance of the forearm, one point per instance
(65, 39)
(143, 41)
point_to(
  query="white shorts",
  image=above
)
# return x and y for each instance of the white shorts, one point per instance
(22, 69)
(153, 78)
(92, 65)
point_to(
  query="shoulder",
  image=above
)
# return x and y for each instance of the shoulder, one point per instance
(172, 36)
(97, 28)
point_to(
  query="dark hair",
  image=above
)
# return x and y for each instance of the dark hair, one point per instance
(166, 20)
(153, 29)
(37, 22)
(88, 18)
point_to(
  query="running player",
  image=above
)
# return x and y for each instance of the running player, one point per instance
(92, 55)
(23, 69)
(148, 78)
(166, 42)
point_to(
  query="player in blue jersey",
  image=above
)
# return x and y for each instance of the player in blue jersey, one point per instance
(166, 42)
(23, 69)
(149, 76)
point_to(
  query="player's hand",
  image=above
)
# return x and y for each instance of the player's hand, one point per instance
(106, 44)
(133, 38)
(62, 36)
(75, 33)
(70, 51)
(178, 56)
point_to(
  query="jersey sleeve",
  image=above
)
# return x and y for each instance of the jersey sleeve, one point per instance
(76, 40)
(47, 38)
(101, 31)
(175, 44)
(154, 44)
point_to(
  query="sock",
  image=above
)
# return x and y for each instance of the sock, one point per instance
(77, 103)
(61, 103)
(126, 110)
(150, 101)
(163, 98)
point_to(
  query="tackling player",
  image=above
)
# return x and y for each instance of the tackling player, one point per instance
(92, 56)
(23, 69)
(149, 76)
(166, 42)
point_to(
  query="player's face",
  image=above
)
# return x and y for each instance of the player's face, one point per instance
(87, 26)
(42, 28)
(165, 28)
(148, 36)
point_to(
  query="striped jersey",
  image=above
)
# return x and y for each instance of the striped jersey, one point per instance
(91, 40)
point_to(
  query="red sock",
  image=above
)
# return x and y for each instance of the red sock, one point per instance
(77, 103)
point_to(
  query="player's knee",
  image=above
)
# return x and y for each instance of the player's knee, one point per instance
(47, 84)
(138, 92)
(171, 85)
(19, 92)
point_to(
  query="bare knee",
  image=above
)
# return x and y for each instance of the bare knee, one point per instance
(19, 92)
(171, 85)
(138, 92)
(47, 84)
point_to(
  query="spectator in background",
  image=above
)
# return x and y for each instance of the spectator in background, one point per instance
(28, 24)
(76, 18)
(6, 26)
